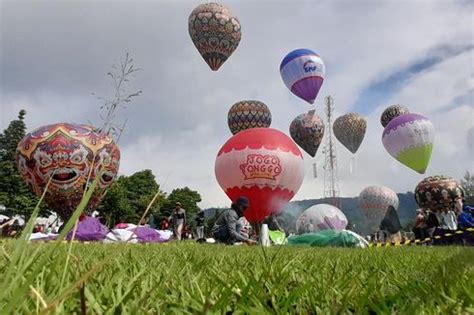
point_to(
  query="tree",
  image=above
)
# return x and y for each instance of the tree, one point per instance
(15, 195)
(115, 206)
(188, 199)
(467, 182)
(128, 198)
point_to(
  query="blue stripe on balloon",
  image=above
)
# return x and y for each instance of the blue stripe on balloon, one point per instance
(295, 54)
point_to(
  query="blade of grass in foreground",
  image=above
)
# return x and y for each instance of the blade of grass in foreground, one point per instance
(75, 226)
(19, 254)
(14, 292)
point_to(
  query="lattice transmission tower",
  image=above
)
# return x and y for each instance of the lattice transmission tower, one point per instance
(331, 186)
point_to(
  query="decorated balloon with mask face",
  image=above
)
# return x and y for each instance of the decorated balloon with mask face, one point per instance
(69, 153)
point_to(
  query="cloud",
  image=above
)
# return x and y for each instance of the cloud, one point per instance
(378, 92)
(55, 54)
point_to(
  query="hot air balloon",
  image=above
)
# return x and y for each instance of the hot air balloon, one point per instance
(438, 193)
(303, 72)
(262, 164)
(248, 114)
(307, 131)
(321, 217)
(68, 153)
(409, 139)
(350, 129)
(392, 112)
(215, 32)
(374, 201)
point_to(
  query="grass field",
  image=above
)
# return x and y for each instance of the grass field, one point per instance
(188, 278)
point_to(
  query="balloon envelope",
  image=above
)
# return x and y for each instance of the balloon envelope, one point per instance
(307, 130)
(215, 32)
(68, 153)
(409, 139)
(321, 217)
(438, 193)
(303, 72)
(392, 112)
(350, 130)
(248, 114)
(262, 164)
(374, 201)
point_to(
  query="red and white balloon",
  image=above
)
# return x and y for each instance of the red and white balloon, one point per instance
(262, 164)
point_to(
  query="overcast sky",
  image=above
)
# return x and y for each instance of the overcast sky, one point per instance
(54, 54)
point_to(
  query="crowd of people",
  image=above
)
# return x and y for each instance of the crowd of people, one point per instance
(230, 227)
(445, 227)
(438, 225)
(440, 228)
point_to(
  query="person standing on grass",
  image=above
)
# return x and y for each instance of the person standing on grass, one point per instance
(200, 225)
(421, 226)
(447, 224)
(226, 230)
(391, 224)
(178, 219)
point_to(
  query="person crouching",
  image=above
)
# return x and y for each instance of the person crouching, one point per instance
(226, 229)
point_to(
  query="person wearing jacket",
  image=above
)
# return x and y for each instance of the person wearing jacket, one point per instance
(465, 218)
(178, 219)
(200, 218)
(226, 229)
(391, 225)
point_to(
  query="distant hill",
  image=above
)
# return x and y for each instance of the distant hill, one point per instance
(350, 207)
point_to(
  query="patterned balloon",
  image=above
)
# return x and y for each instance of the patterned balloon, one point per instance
(350, 129)
(374, 201)
(392, 112)
(215, 32)
(248, 114)
(438, 193)
(307, 130)
(303, 72)
(262, 164)
(321, 217)
(409, 139)
(68, 153)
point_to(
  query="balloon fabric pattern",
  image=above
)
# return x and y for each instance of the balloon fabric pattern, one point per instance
(409, 139)
(248, 114)
(392, 112)
(68, 153)
(262, 164)
(321, 217)
(307, 130)
(303, 72)
(374, 201)
(350, 130)
(215, 32)
(438, 193)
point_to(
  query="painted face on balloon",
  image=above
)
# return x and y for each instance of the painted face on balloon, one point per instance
(65, 163)
(107, 163)
(428, 196)
(72, 156)
(444, 193)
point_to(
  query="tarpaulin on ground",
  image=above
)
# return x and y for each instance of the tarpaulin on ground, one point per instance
(328, 238)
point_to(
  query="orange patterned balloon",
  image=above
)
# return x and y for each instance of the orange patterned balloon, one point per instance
(68, 153)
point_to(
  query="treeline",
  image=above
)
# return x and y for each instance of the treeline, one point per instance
(127, 199)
